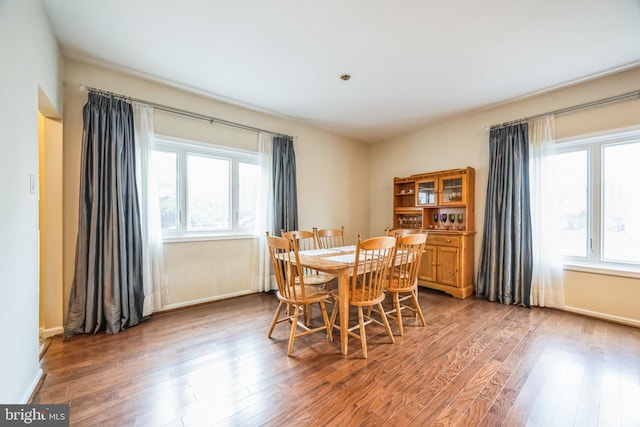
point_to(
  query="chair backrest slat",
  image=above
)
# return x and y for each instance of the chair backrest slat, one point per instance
(408, 255)
(372, 261)
(286, 267)
(330, 237)
(400, 232)
(305, 239)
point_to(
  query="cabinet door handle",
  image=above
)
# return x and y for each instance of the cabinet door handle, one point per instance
(448, 240)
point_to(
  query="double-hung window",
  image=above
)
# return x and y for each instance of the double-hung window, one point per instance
(204, 191)
(596, 183)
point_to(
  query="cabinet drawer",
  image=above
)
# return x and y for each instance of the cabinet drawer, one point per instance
(446, 240)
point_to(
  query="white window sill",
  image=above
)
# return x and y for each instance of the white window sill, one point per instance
(186, 239)
(608, 270)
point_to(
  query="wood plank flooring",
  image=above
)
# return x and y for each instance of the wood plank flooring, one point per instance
(476, 363)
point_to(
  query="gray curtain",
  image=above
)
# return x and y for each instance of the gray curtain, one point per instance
(506, 260)
(285, 191)
(107, 291)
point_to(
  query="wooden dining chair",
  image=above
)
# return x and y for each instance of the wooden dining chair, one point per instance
(306, 240)
(328, 238)
(372, 260)
(402, 282)
(293, 292)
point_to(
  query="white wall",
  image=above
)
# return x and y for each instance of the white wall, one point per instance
(332, 179)
(463, 141)
(31, 82)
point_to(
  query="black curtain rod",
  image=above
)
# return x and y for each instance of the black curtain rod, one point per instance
(569, 109)
(181, 112)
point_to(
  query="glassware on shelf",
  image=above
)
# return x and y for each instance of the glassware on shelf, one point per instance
(460, 219)
(436, 217)
(452, 220)
(410, 221)
(443, 220)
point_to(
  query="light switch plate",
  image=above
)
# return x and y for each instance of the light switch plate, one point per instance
(33, 183)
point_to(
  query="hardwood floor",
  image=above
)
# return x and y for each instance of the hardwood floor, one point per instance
(476, 363)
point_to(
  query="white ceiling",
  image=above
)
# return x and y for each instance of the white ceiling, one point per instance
(412, 61)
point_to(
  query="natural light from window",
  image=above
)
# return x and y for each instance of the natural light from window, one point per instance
(597, 199)
(248, 194)
(569, 173)
(621, 203)
(205, 191)
(164, 170)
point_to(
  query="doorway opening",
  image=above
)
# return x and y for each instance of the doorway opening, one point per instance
(49, 188)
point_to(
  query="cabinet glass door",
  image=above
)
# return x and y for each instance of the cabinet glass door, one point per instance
(426, 193)
(452, 190)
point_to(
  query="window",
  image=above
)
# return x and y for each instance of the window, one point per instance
(597, 197)
(205, 191)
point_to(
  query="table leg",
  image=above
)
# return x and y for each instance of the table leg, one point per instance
(343, 305)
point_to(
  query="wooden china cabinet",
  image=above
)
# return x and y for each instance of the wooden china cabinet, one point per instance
(443, 204)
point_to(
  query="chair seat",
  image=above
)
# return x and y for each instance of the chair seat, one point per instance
(355, 298)
(312, 294)
(317, 279)
(399, 286)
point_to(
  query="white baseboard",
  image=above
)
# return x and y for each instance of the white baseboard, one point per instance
(604, 316)
(204, 300)
(51, 332)
(32, 388)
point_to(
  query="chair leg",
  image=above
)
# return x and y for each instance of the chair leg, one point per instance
(363, 335)
(386, 323)
(323, 308)
(275, 318)
(334, 314)
(414, 296)
(294, 325)
(307, 314)
(396, 303)
(369, 310)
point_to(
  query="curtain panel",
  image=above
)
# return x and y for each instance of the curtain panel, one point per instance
(155, 283)
(505, 268)
(107, 290)
(263, 279)
(284, 184)
(547, 289)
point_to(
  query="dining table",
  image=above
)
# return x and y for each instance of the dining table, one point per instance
(338, 261)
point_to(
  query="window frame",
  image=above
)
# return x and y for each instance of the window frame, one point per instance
(594, 145)
(235, 156)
